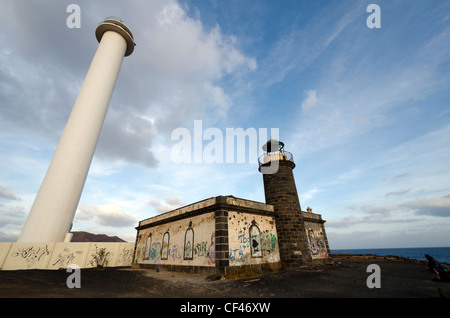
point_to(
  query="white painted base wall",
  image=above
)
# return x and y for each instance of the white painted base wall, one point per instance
(59, 255)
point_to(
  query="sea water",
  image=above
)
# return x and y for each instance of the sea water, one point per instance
(441, 254)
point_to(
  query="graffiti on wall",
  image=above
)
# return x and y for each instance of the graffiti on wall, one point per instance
(165, 246)
(317, 244)
(237, 254)
(65, 258)
(59, 255)
(267, 242)
(174, 253)
(148, 244)
(200, 249)
(32, 255)
(211, 256)
(255, 240)
(257, 245)
(155, 251)
(188, 243)
(125, 256)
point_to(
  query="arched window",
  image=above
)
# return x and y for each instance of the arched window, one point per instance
(255, 240)
(148, 246)
(189, 244)
(165, 246)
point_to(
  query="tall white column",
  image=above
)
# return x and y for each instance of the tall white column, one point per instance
(53, 210)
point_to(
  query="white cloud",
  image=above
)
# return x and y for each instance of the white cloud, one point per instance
(170, 14)
(369, 216)
(378, 211)
(439, 207)
(305, 196)
(180, 49)
(11, 221)
(397, 177)
(8, 194)
(310, 101)
(168, 203)
(361, 88)
(108, 215)
(398, 192)
(296, 50)
(11, 211)
(172, 77)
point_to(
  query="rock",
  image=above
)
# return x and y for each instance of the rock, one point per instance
(443, 293)
(81, 236)
(213, 277)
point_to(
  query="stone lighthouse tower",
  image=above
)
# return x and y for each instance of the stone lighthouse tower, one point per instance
(301, 235)
(53, 210)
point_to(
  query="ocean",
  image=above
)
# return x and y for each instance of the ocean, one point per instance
(441, 254)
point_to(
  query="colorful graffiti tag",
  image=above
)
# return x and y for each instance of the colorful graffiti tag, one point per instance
(173, 253)
(255, 246)
(317, 245)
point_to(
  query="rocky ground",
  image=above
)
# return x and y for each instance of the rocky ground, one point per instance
(346, 278)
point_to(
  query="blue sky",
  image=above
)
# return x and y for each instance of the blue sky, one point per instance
(365, 112)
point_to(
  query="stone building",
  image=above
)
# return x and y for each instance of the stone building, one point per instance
(222, 233)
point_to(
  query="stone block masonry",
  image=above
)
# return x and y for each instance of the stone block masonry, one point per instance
(222, 255)
(297, 243)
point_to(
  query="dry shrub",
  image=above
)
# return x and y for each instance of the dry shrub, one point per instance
(242, 272)
(270, 267)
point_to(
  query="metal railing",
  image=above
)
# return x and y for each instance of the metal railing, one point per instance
(272, 156)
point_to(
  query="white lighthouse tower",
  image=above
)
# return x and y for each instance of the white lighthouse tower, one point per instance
(50, 218)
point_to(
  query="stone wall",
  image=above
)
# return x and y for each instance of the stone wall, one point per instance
(281, 192)
(213, 235)
(301, 235)
(189, 242)
(317, 238)
(253, 239)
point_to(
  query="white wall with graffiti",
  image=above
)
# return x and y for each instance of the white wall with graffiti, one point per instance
(53, 256)
(187, 242)
(252, 239)
(316, 240)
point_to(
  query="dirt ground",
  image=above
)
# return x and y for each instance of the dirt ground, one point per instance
(346, 278)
